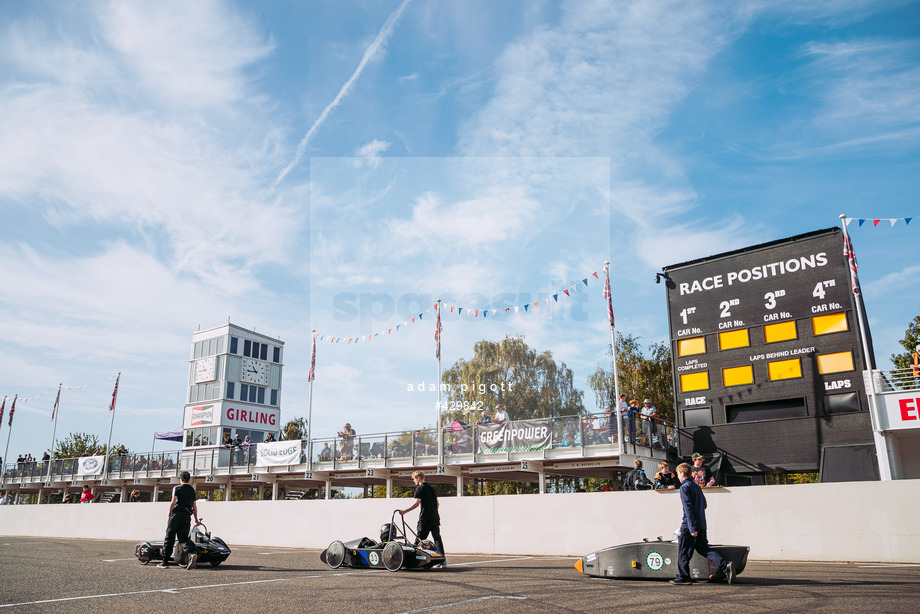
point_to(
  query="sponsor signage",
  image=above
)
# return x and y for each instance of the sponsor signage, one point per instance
(515, 436)
(899, 411)
(496, 468)
(584, 464)
(202, 415)
(278, 453)
(233, 414)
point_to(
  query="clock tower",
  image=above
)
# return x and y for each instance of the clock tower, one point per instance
(234, 386)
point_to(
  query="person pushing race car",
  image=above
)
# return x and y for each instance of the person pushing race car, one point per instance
(429, 521)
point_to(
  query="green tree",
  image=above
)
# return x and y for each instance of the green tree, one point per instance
(509, 373)
(909, 342)
(80, 444)
(641, 376)
(294, 429)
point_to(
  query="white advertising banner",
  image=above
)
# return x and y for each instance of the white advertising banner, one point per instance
(90, 465)
(278, 453)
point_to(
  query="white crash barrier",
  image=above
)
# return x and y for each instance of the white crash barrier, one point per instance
(854, 521)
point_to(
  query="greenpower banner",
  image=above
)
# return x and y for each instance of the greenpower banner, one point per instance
(516, 436)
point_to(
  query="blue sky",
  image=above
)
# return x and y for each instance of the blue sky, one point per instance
(169, 165)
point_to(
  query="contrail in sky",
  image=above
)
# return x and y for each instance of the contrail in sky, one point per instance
(382, 37)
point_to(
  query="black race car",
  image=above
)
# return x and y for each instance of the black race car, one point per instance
(394, 551)
(655, 560)
(211, 550)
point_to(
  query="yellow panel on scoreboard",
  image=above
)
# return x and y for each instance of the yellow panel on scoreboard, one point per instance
(785, 369)
(688, 347)
(736, 376)
(836, 362)
(781, 331)
(830, 323)
(734, 339)
(694, 381)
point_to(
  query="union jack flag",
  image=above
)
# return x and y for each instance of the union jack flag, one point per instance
(312, 374)
(437, 333)
(114, 393)
(608, 295)
(2, 409)
(56, 401)
(850, 255)
(12, 409)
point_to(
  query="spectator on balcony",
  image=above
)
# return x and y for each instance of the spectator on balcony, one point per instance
(630, 415)
(649, 413)
(501, 416)
(269, 438)
(461, 443)
(227, 442)
(248, 447)
(135, 496)
(326, 453)
(915, 364)
(3, 499)
(348, 435)
(665, 479)
(484, 418)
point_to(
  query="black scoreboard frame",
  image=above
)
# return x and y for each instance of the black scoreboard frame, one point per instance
(766, 354)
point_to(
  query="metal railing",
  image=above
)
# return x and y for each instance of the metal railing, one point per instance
(898, 380)
(460, 440)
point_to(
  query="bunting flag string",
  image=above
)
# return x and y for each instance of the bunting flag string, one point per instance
(470, 312)
(876, 221)
(80, 387)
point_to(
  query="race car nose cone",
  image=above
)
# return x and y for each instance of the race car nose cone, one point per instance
(578, 566)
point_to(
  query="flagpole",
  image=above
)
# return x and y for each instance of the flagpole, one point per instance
(437, 336)
(613, 347)
(9, 431)
(310, 377)
(108, 445)
(55, 412)
(881, 443)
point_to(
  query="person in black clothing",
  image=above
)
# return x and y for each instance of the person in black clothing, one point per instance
(664, 479)
(429, 521)
(636, 478)
(181, 510)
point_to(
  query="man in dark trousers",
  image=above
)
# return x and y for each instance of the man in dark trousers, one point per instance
(181, 510)
(692, 534)
(428, 519)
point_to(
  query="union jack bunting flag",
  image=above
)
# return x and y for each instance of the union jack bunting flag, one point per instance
(437, 334)
(114, 393)
(312, 373)
(56, 401)
(850, 255)
(608, 295)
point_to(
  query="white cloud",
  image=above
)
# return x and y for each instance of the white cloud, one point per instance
(191, 54)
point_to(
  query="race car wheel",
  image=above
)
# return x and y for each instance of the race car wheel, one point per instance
(393, 556)
(335, 554)
(216, 563)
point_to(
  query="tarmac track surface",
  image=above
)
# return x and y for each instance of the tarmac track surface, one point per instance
(69, 575)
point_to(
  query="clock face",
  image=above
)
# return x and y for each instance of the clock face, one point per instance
(255, 371)
(206, 369)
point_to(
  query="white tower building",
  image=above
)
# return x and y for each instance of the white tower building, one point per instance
(234, 386)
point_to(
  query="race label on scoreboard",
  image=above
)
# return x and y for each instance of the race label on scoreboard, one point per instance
(786, 282)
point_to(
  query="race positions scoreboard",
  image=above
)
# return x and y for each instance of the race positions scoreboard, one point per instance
(766, 353)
